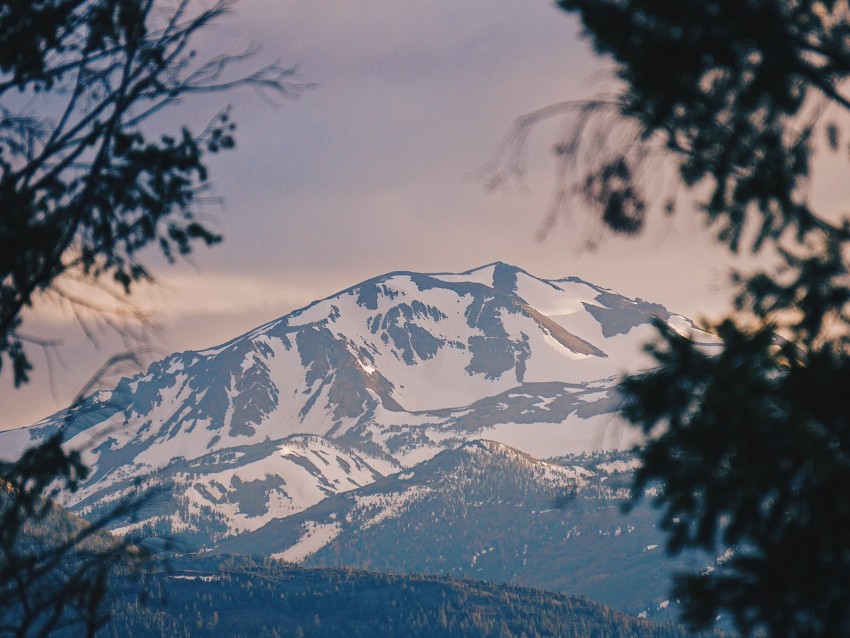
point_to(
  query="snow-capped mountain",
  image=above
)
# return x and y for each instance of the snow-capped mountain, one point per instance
(360, 385)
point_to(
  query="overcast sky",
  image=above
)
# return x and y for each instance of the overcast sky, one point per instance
(369, 172)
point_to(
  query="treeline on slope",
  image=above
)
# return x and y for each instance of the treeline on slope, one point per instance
(499, 526)
(254, 598)
(185, 595)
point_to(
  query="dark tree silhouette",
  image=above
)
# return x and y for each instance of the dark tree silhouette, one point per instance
(55, 568)
(751, 447)
(83, 189)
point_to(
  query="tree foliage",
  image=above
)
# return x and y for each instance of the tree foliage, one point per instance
(751, 447)
(83, 186)
(54, 567)
(735, 91)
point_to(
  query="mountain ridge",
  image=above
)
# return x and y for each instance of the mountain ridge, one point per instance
(487, 511)
(379, 377)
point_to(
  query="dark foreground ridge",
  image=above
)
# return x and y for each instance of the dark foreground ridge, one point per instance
(229, 596)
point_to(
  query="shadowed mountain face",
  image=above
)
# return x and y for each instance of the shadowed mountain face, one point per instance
(487, 511)
(356, 387)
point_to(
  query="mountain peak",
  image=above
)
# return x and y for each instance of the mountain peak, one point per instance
(492, 264)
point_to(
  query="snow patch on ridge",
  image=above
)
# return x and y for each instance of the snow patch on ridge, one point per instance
(316, 536)
(389, 506)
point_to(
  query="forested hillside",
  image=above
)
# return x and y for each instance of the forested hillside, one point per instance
(244, 597)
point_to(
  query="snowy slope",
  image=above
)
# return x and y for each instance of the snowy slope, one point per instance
(228, 492)
(381, 376)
